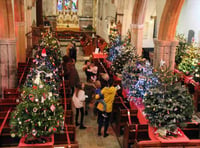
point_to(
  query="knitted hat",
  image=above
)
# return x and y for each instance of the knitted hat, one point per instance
(44, 54)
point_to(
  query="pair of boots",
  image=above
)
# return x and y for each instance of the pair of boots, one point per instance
(81, 126)
(105, 131)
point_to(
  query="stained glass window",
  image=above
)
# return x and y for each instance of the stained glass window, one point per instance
(74, 5)
(59, 6)
(67, 5)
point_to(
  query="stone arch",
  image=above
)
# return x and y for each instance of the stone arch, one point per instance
(139, 12)
(7, 20)
(165, 45)
(169, 19)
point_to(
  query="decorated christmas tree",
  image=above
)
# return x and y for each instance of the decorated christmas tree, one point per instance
(168, 105)
(181, 48)
(47, 60)
(39, 114)
(127, 39)
(190, 60)
(131, 72)
(196, 76)
(145, 80)
(126, 55)
(114, 46)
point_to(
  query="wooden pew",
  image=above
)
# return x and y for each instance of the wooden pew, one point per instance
(122, 119)
(69, 117)
(11, 93)
(60, 139)
(6, 140)
(5, 104)
(88, 49)
(133, 132)
(69, 103)
(116, 105)
(192, 130)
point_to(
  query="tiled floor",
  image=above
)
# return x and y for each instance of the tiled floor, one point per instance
(88, 138)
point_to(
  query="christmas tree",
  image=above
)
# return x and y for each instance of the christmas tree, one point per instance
(145, 80)
(196, 76)
(48, 61)
(127, 54)
(168, 105)
(39, 114)
(190, 60)
(131, 71)
(181, 48)
(127, 39)
(114, 45)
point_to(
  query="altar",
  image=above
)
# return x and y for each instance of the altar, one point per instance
(67, 17)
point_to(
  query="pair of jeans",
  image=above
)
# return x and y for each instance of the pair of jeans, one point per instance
(77, 115)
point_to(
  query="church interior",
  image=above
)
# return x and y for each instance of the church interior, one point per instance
(128, 70)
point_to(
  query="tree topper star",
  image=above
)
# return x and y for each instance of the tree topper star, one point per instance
(162, 63)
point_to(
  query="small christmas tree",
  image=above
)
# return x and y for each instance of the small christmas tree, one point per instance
(127, 39)
(114, 45)
(181, 48)
(190, 60)
(131, 72)
(127, 54)
(144, 82)
(168, 105)
(48, 61)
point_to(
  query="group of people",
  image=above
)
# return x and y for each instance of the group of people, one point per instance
(102, 92)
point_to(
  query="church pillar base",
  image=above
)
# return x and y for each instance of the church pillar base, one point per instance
(165, 51)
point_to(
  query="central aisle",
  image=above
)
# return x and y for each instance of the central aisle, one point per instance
(88, 138)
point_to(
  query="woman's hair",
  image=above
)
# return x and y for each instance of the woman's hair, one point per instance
(66, 59)
(78, 87)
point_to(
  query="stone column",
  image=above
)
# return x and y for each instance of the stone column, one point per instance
(137, 37)
(165, 51)
(8, 64)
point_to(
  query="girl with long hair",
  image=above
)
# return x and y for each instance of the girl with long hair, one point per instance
(78, 100)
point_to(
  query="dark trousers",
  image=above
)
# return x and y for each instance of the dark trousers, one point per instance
(82, 115)
(103, 121)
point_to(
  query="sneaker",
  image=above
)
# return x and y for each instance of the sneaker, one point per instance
(106, 135)
(82, 127)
